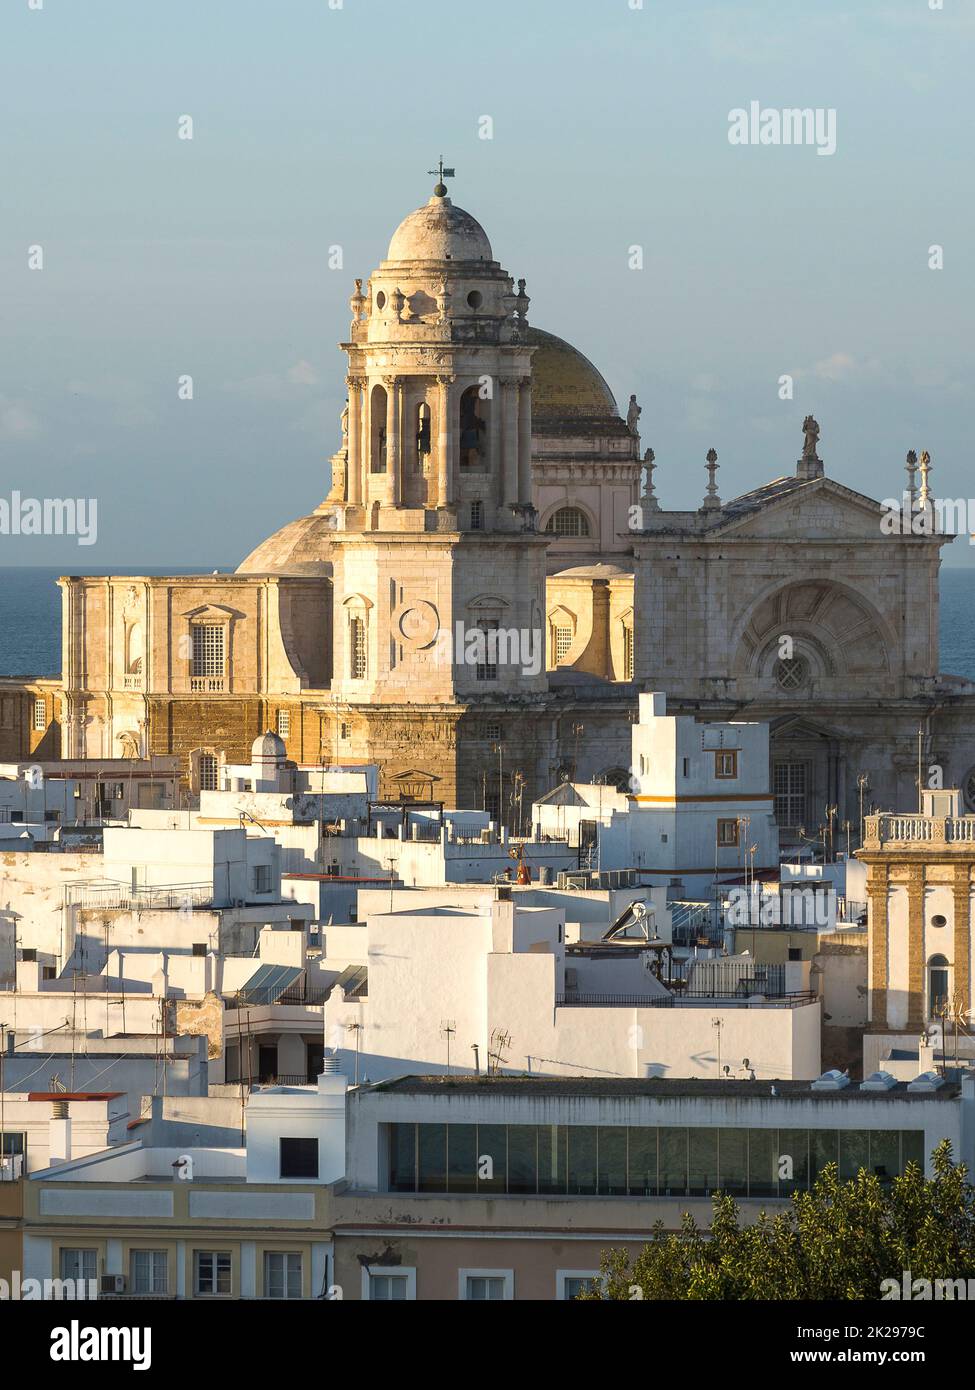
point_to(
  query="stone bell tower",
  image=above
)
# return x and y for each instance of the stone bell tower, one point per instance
(435, 534)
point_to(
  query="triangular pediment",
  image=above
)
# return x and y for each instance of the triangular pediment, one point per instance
(816, 510)
(798, 726)
(212, 612)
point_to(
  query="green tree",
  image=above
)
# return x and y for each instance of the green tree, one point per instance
(838, 1241)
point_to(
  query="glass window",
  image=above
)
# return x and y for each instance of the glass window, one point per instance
(793, 1157)
(492, 1158)
(824, 1149)
(462, 1159)
(642, 1162)
(563, 641)
(854, 1152)
(885, 1153)
(627, 652)
(79, 1264)
(612, 1160)
(402, 1158)
(703, 1161)
(582, 1159)
(208, 772)
(673, 1162)
(912, 1148)
(763, 1170)
(284, 723)
(358, 654)
(299, 1158)
(522, 1158)
(733, 1160)
(208, 650)
(568, 521)
(575, 1284)
(388, 1288)
(481, 1287)
(551, 1158)
(432, 1148)
(150, 1271)
(282, 1274)
(40, 714)
(211, 1272)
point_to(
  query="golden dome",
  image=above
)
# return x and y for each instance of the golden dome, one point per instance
(565, 384)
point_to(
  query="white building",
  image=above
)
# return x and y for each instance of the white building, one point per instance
(500, 985)
(700, 804)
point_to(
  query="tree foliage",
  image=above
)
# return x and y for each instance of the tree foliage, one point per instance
(838, 1241)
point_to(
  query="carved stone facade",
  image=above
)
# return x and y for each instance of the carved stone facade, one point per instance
(485, 481)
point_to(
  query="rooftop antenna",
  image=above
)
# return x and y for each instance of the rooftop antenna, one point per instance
(448, 1028)
(442, 173)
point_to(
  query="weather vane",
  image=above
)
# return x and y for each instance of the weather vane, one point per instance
(442, 174)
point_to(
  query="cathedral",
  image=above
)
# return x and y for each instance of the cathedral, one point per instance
(486, 483)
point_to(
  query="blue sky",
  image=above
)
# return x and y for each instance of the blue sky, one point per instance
(316, 126)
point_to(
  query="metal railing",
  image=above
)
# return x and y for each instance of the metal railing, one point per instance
(122, 896)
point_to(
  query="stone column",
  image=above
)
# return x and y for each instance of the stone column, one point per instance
(509, 442)
(877, 897)
(494, 441)
(525, 440)
(392, 479)
(353, 485)
(446, 441)
(961, 890)
(915, 948)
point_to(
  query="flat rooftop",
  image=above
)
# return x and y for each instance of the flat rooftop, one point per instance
(654, 1088)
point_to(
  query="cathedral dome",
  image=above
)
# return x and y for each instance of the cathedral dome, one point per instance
(439, 231)
(565, 385)
(300, 548)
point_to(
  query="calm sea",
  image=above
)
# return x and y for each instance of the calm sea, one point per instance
(30, 620)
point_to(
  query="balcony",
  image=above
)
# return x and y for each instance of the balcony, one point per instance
(918, 831)
(208, 685)
(132, 682)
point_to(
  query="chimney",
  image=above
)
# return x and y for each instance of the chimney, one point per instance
(59, 1133)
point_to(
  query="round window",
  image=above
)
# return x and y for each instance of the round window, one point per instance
(939, 920)
(380, 300)
(475, 299)
(968, 790)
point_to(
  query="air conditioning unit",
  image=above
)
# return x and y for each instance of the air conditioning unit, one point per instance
(111, 1284)
(566, 881)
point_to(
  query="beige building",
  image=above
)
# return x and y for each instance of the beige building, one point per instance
(920, 888)
(486, 482)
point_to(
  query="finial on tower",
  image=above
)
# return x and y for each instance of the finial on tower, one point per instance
(924, 495)
(712, 499)
(440, 191)
(649, 496)
(911, 469)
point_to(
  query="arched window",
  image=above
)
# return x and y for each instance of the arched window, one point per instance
(791, 672)
(377, 423)
(133, 649)
(568, 521)
(422, 430)
(937, 985)
(472, 428)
